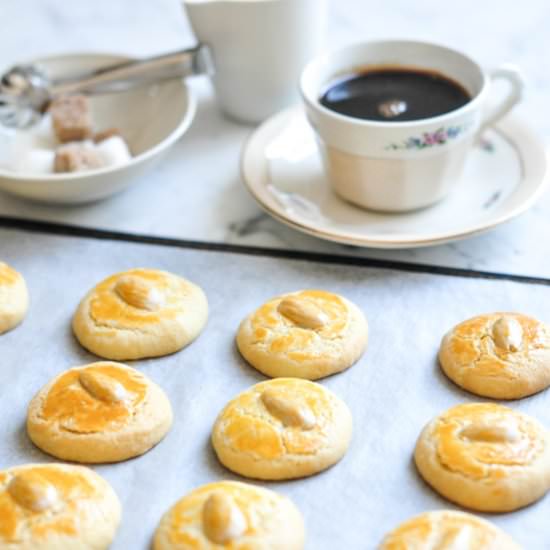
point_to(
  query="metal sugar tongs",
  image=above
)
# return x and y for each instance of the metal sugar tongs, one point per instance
(26, 91)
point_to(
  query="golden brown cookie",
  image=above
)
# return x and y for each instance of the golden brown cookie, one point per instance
(305, 334)
(499, 355)
(14, 298)
(231, 515)
(485, 457)
(282, 429)
(56, 507)
(447, 530)
(140, 313)
(101, 412)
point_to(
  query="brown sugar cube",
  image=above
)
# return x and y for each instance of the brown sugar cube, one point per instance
(77, 157)
(71, 118)
(106, 134)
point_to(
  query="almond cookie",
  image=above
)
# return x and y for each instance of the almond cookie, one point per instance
(14, 298)
(446, 529)
(56, 506)
(282, 429)
(232, 515)
(306, 334)
(102, 412)
(499, 355)
(485, 457)
(140, 313)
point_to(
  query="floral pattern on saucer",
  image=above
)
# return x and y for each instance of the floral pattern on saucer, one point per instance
(429, 139)
(487, 145)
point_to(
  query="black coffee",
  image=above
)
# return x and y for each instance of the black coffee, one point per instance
(395, 95)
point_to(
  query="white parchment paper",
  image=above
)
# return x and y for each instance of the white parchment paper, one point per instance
(392, 391)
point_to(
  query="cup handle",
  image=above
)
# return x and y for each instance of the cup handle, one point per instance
(512, 74)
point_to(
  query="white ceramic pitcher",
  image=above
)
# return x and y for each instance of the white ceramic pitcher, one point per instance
(260, 48)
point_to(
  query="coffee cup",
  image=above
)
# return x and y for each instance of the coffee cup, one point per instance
(401, 165)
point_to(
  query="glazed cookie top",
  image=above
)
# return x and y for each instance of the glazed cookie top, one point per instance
(100, 397)
(101, 412)
(279, 418)
(14, 298)
(232, 515)
(486, 441)
(300, 324)
(43, 504)
(447, 529)
(8, 275)
(140, 313)
(308, 334)
(140, 298)
(498, 347)
(499, 336)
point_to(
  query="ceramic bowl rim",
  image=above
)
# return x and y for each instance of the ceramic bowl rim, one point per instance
(170, 139)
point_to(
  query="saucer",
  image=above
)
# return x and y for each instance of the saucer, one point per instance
(504, 175)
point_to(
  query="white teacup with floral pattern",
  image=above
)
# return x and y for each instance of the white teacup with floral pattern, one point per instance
(400, 166)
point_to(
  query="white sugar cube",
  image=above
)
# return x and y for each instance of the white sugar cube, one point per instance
(34, 161)
(114, 151)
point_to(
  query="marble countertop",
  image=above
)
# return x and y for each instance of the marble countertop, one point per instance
(196, 192)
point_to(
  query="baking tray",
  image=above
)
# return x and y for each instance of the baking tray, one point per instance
(392, 391)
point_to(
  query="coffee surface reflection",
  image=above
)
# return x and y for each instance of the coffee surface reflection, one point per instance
(394, 94)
